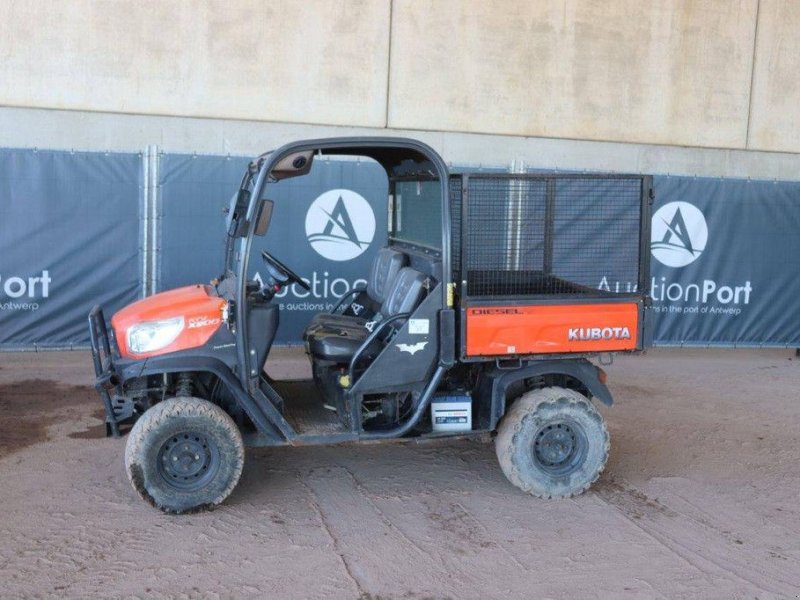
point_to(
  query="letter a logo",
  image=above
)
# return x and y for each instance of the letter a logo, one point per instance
(679, 234)
(340, 219)
(340, 225)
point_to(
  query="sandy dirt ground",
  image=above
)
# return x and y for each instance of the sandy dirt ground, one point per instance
(701, 498)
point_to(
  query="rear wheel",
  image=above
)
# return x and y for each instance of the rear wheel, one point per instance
(552, 443)
(184, 454)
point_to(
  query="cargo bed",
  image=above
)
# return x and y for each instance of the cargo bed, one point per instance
(537, 260)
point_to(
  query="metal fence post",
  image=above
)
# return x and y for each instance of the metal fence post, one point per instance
(144, 211)
(155, 218)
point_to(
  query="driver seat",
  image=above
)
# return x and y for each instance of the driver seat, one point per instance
(385, 267)
(337, 343)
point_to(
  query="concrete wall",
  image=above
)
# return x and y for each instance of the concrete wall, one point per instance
(775, 118)
(322, 61)
(705, 73)
(660, 72)
(58, 129)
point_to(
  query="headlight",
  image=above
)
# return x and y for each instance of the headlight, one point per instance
(154, 335)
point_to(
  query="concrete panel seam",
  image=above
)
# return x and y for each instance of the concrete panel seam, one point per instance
(752, 77)
(389, 66)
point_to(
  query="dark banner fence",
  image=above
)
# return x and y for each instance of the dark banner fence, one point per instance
(85, 228)
(193, 192)
(726, 262)
(71, 237)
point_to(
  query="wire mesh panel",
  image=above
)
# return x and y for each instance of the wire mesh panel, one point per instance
(596, 232)
(504, 236)
(547, 234)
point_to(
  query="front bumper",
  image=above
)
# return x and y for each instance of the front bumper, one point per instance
(107, 380)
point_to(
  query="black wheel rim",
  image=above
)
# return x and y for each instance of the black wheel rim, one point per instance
(560, 447)
(188, 460)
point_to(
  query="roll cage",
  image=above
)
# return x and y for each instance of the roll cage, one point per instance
(397, 156)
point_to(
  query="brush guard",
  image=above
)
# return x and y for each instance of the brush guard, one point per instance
(118, 409)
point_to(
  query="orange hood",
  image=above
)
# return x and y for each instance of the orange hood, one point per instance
(201, 312)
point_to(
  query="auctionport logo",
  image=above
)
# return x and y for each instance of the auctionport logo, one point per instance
(340, 225)
(20, 293)
(679, 234)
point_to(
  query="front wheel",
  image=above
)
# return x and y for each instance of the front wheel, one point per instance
(184, 454)
(552, 443)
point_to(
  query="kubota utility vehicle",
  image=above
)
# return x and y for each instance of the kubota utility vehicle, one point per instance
(479, 316)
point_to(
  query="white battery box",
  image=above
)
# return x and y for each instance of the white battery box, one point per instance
(451, 413)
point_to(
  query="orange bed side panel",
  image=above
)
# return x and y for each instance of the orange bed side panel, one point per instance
(551, 329)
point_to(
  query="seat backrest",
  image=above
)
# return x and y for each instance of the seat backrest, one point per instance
(405, 292)
(385, 267)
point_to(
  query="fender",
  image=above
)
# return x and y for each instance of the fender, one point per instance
(495, 382)
(265, 418)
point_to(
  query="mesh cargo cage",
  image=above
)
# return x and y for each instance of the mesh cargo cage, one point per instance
(550, 263)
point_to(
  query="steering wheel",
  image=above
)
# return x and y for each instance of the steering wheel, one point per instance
(284, 270)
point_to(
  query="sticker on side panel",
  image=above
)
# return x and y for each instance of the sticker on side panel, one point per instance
(419, 326)
(412, 349)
